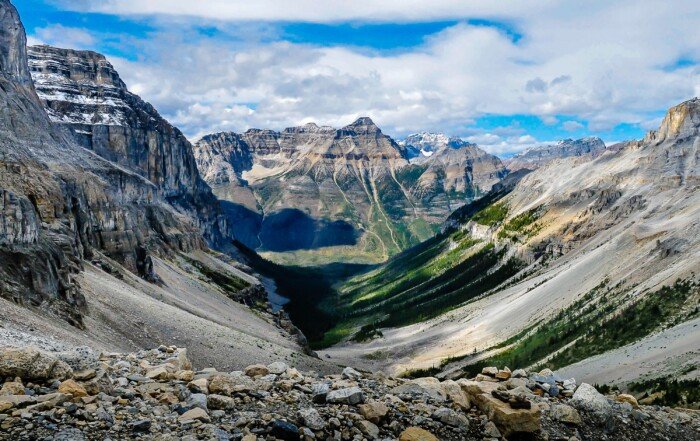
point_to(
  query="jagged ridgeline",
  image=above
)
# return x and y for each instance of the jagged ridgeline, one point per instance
(315, 194)
(560, 267)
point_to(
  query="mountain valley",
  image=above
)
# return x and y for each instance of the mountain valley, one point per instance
(343, 283)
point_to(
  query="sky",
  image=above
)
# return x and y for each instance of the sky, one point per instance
(504, 74)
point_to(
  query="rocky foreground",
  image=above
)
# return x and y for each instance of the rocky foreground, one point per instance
(156, 394)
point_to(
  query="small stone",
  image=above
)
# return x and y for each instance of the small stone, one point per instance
(200, 385)
(351, 374)
(350, 395)
(140, 426)
(373, 411)
(587, 397)
(71, 387)
(626, 398)
(566, 414)
(311, 419)
(284, 430)
(85, 375)
(221, 402)
(194, 414)
(12, 388)
(256, 370)
(503, 374)
(277, 368)
(519, 373)
(319, 391)
(417, 434)
(450, 417)
(491, 371)
(368, 429)
(159, 373)
(491, 431)
(222, 385)
(184, 375)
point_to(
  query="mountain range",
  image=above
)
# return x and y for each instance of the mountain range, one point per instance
(352, 192)
(425, 258)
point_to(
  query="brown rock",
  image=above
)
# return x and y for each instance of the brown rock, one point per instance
(503, 374)
(199, 385)
(215, 401)
(85, 375)
(626, 398)
(193, 414)
(72, 387)
(507, 419)
(256, 369)
(184, 375)
(12, 388)
(417, 434)
(373, 411)
(158, 373)
(168, 398)
(222, 385)
(32, 364)
(455, 393)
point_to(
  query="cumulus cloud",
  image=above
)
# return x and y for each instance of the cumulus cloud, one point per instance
(604, 64)
(572, 126)
(63, 36)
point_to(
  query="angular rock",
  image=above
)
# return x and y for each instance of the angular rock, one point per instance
(222, 385)
(277, 368)
(507, 419)
(454, 392)
(311, 419)
(351, 374)
(417, 434)
(565, 414)
(196, 413)
(368, 429)
(373, 411)
(72, 387)
(349, 395)
(626, 398)
(220, 402)
(587, 397)
(319, 391)
(12, 388)
(256, 370)
(284, 430)
(32, 364)
(450, 417)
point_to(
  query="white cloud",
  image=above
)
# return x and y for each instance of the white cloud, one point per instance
(63, 36)
(603, 63)
(572, 126)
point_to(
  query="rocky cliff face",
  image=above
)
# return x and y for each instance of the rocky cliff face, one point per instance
(538, 156)
(59, 203)
(311, 187)
(82, 92)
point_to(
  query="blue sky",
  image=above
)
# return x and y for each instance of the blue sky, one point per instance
(506, 75)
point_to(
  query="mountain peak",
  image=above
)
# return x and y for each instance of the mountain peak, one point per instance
(681, 121)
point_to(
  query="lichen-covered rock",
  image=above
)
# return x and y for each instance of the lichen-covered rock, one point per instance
(32, 364)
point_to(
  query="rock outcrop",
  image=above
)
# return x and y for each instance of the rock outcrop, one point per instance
(157, 394)
(311, 187)
(60, 202)
(538, 156)
(82, 92)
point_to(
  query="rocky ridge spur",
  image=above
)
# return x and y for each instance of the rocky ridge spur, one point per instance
(157, 394)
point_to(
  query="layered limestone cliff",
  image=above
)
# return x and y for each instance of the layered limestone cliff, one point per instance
(60, 202)
(82, 92)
